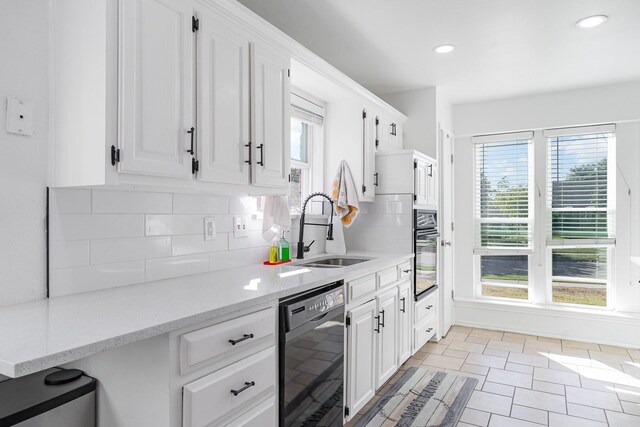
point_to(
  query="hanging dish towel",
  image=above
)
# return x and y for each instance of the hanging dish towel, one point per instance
(276, 217)
(344, 193)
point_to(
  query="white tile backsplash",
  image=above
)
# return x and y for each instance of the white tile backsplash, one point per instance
(103, 238)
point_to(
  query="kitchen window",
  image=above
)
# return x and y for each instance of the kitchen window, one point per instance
(503, 215)
(307, 120)
(581, 214)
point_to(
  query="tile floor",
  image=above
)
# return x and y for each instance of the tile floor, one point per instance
(528, 381)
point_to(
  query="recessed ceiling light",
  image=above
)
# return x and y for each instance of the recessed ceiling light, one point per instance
(444, 48)
(592, 21)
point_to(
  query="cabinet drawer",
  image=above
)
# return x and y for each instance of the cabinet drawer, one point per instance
(209, 398)
(425, 307)
(263, 415)
(225, 339)
(424, 332)
(387, 277)
(361, 287)
(405, 270)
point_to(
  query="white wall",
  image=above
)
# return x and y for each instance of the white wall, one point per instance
(427, 109)
(618, 104)
(24, 74)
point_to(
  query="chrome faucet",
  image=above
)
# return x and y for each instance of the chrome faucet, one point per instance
(301, 247)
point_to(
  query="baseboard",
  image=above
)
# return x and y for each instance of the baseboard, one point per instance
(617, 329)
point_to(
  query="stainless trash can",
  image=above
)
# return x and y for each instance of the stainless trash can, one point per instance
(52, 398)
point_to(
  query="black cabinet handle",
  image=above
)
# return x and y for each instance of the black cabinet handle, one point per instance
(377, 324)
(249, 147)
(430, 329)
(244, 338)
(404, 305)
(375, 182)
(407, 271)
(382, 312)
(192, 132)
(430, 170)
(429, 307)
(261, 148)
(393, 129)
(246, 386)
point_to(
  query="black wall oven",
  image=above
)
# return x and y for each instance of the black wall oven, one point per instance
(426, 249)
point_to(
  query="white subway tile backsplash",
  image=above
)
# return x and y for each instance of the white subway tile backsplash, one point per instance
(243, 205)
(106, 251)
(239, 258)
(101, 226)
(66, 200)
(127, 202)
(195, 244)
(162, 225)
(166, 268)
(252, 240)
(200, 203)
(69, 253)
(92, 278)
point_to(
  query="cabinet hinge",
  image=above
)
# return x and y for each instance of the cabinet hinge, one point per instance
(115, 155)
(195, 165)
(364, 114)
(415, 164)
(377, 121)
(452, 227)
(289, 177)
(377, 142)
(451, 294)
(364, 189)
(289, 72)
(346, 411)
(195, 24)
(415, 198)
(452, 158)
(348, 321)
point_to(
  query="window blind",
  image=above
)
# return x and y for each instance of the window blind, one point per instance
(502, 193)
(581, 172)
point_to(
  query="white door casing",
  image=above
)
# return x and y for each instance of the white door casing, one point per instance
(445, 219)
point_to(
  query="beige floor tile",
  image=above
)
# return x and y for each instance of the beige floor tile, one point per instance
(504, 345)
(542, 345)
(626, 393)
(529, 359)
(443, 361)
(617, 419)
(629, 407)
(597, 399)
(475, 369)
(501, 421)
(560, 420)
(494, 352)
(530, 414)
(580, 344)
(596, 385)
(463, 424)
(501, 389)
(548, 387)
(516, 338)
(433, 348)
(456, 353)
(487, 333)
(631, 368)
(605, 375)
(420, 355)
(562, 366)
(480, 378)
(477, 340)
(461, 329)
(576, 352)
(549, 339)
(467, 346)
(490, 402)
(516, 379)
(540, 400)
(486, 360)
(571, 359)
(634, 353)
(475, 417)
(613, 349)
(516, 367)
(412, 363)
(558, 377)
(595, 414)
(600, 355)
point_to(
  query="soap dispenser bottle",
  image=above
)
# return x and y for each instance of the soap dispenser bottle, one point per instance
(283, 249)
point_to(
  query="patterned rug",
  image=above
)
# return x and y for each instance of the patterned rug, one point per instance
(421, 398)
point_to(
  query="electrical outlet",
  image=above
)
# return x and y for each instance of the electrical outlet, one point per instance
(209, 228)
(19, 117)
(240, 226)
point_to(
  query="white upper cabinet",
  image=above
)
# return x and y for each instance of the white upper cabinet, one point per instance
(271, 116)
(223, 104)
(421, 184)
(156, 87)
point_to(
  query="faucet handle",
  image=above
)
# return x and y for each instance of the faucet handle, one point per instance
(307, 248)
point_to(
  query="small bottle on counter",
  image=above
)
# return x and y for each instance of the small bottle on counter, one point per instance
(273, 253)
(283, 249)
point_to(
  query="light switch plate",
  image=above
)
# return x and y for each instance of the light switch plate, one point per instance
(239, 226)
(209, 228)
(19, 117)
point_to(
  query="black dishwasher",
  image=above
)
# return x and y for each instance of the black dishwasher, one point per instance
(312, 357)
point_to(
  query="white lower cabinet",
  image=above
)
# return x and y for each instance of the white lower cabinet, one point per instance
(361, 352)
(425, 320)
(404, 322)
(256, 417)
(387, 331)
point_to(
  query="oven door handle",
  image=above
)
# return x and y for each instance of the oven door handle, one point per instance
(421, 235)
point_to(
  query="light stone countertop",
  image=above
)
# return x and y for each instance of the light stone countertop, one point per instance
(41, 334)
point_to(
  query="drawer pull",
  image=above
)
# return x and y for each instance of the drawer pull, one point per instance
(246, 386)
(244, 337)
(382, 312)
(377, 329)
(407, 271)
(404, 305)
(429, 330)
(429, 307)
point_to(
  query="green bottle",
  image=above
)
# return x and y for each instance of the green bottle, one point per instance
(283, 249)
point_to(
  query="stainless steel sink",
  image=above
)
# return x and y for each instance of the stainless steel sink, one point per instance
(337, 262)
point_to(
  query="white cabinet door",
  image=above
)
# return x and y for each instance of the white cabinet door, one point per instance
(361, 351)
(223, 104)
(405, 325)
(421, 185)
(387, 360)
(368, 190)
(271, 111)
(432, 184)
(156, 87)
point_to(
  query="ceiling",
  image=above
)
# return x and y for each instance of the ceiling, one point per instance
(503, 47)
